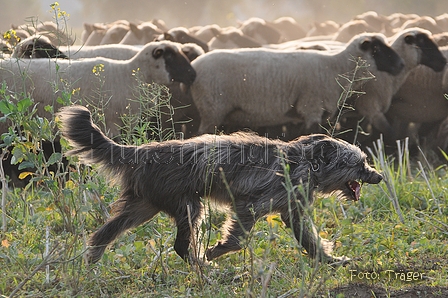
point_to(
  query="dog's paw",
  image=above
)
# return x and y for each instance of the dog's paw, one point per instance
(93, 254)
(339, 261)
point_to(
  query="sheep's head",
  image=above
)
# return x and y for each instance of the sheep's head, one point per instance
(429, 51)
(386, 59)
(176, 64)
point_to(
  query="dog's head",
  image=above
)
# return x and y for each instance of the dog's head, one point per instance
(336, 166)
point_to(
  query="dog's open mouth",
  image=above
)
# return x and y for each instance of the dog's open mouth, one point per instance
(355, 189)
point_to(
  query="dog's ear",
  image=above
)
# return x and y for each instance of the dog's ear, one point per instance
(318, 153)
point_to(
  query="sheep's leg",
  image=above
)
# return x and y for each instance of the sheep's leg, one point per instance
(209, 123)
(313, 118)
(186, 218)
(380, 122)
(234, 230)
(133, 213)
(307, 236)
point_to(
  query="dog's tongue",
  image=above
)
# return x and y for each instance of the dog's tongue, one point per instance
(356, 187)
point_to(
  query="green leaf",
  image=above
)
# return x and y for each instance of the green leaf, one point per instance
(54, 158)
(26, 165)
(24, 104)
(49, 108)
(6, 107)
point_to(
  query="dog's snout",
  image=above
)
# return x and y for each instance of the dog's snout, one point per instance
(373, 177)
(378, 178)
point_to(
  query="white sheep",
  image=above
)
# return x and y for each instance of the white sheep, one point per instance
(115, 33)
(141, 34)
(112, 51)
(41, 47)
(116, 80)
(415, 46)
(263, 87)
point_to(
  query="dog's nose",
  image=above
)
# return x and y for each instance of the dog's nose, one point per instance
(379, 178)
(373, 177)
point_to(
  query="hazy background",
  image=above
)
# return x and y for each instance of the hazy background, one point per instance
(201, 12)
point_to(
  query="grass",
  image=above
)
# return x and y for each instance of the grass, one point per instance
(397, 233)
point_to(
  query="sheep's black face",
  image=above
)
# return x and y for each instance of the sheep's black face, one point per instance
(386, 59)
(431, 56)
(177, 65)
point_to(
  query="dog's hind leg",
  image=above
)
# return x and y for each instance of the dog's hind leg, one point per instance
(234, 230)
(307, 236)
(132, 213)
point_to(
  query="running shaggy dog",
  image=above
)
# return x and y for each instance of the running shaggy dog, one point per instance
(242, 171)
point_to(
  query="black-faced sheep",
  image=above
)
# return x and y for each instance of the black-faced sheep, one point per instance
(420, 98)
(41, 47)
(416, 47)
(37, 46)
(44, 79)
(260, 87)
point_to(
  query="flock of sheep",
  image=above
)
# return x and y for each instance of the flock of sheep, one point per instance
(271, 77)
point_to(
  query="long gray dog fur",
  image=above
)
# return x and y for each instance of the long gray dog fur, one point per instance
(242, 171)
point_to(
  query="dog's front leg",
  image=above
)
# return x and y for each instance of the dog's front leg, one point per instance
(234, 230)
(307, 236)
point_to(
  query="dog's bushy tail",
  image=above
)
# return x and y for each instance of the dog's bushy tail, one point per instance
(87, 140)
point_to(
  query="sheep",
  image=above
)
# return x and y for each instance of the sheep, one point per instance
(324, 28)
(41, 47)
(441, 39)
(442, 21)
(397, 19)
(141, 34)
(420, 98)
(232, 38)
(159, 62)
(264, 87)
(111, 51)
(378, 22)
(37, 46)
(97, 34)
(260, 30)
(423, 22)
(352, 28)
(88, 29)
(207, 32)
(115, 34)
(289, 28)
(416, 47)
(442, 135)
(55, 33)
(182, 35)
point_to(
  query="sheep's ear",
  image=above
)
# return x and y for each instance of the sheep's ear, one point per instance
(168, 36)
(409, 39)
(157, 53)
(366, 44)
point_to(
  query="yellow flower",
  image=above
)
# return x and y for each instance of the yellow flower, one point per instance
(98, 68)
